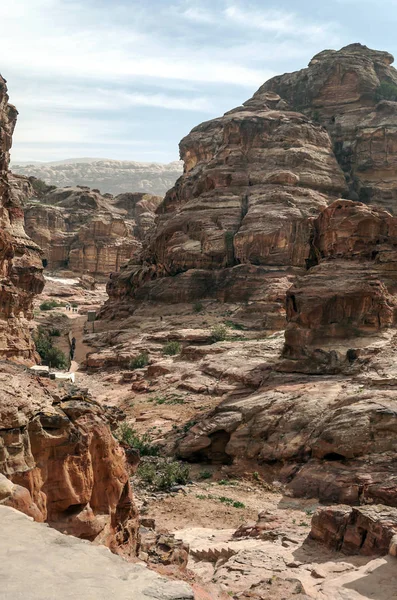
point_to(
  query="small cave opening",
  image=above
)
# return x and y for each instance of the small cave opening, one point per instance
(293, 300)
(215, 453)
(351, 355)
(333, 456)
(73, 510)
(44, 263)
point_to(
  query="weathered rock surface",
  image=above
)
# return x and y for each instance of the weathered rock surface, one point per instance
(39, 563)
(368, 530)
(86, 232)
(350, 294)
(238, 223)
(60, 463)
(341, 89)
(20, 258)
(302, 430)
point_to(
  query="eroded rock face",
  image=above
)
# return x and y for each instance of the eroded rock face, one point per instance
(368, 530)
(87, 232)
(350, 294)
(59, 463)
(253, 182)
(303, 429)
(20, 258)
(341, 89)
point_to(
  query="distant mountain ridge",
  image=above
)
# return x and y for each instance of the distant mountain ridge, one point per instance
(107, 175)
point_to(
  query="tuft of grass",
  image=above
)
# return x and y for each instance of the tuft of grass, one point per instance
(143, 443)
(205, 475)
(169, 399)
(163, 474)
(198, 307)
(140, 361)
(219, 333)
(233, 325)
(171, 348)
(188, 426)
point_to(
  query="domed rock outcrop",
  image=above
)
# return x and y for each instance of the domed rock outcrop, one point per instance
(349, 92)
(253, 182)
(20, 258)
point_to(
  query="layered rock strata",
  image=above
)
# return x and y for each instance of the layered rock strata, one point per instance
(86, 232)
(20, 258)
(60, 463)
(349, 92)
(368, 530)
(238, 223)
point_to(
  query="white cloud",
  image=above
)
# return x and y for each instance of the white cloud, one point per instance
(97, 57)
(94, 99)
(279, 23)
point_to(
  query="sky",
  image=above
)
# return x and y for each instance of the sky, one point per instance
(127, 79)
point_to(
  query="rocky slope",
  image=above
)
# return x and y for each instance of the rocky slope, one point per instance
(20, 258)
(85, 232)
(110, 176)
(264, 217)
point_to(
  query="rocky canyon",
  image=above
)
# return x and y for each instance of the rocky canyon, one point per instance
(245, 352)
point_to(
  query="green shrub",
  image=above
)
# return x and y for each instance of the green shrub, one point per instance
(171, 348)
(386, 91)
(229, 237)
(233, 325)
(163, 474)
(198, 307)
(140, 361)
(219, 333)
(205, 475)
(49, 305)
(316, 116)
(132, 438)
(40, 186)
(54, 332)
(50, 356)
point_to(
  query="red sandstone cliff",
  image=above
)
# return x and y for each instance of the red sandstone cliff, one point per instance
(20, 258)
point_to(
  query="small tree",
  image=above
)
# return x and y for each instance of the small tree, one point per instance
(49, 354)
(386, 91)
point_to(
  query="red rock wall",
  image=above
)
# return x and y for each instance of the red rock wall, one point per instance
(20, 258)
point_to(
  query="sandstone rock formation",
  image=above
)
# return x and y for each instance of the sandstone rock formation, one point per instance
(59, 462)
(348, 91)
(20, 258)
(110, 176)
(238, 223)
(350, 294)
(86, 232)
(368, 530)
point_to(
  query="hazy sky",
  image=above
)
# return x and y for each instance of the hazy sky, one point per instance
(127, 79)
